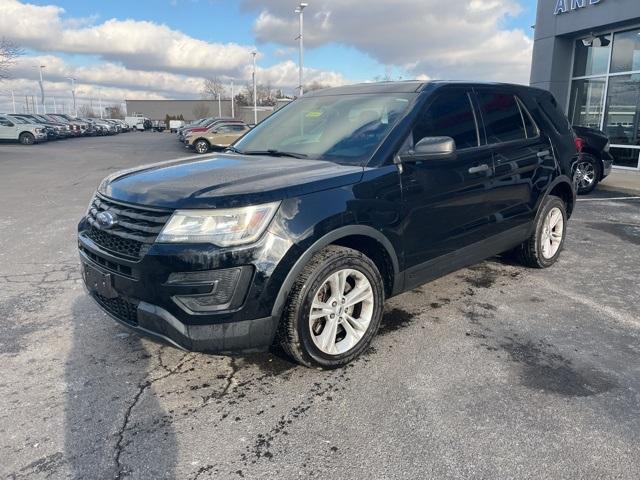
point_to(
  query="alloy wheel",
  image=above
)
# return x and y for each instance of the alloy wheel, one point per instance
(341, 311)
(552, 233)
(201, 147)
(585, 175)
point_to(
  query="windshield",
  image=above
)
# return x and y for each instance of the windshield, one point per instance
(344, 129)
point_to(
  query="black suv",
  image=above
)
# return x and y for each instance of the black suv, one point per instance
(341, 199)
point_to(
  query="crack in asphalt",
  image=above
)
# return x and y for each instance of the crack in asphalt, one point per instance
(225, 390)
(142, 387)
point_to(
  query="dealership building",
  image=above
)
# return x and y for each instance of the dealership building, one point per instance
(587, 53)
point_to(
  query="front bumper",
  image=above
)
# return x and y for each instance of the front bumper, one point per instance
(141, 296)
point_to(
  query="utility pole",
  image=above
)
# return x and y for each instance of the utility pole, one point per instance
(299, 11)
(233, 100)
(255, 91)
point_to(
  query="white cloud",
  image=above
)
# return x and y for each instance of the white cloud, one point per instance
(458, 39)
(138, 45)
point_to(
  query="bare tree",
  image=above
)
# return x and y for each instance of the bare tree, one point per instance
(201, 110)
(264, 93)
(212, 87)
(9, 53)
(115, 111)
(86, 111)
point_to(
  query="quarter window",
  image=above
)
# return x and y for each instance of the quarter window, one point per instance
(502, 118)
(450, 115)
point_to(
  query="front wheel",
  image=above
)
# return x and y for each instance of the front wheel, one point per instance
(334, 309)
(543, 247)
(201, 146)
(27, 138)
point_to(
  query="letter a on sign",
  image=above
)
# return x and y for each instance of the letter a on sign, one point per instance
(561, 7)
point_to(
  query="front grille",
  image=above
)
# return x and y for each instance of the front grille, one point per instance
(125, 270)
(119, 308)
(134, 232)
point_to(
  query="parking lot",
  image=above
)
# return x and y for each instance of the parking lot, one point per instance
(493, 371)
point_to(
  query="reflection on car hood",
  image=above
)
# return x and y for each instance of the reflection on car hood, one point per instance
(225, 180)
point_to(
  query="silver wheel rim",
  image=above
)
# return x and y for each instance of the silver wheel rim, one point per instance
(552, 233)
(585, 174)
(201, 147)
(341, 312)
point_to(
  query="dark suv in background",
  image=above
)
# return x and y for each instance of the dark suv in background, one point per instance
(345, 197)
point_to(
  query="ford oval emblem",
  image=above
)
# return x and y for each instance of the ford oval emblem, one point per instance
(106, 219)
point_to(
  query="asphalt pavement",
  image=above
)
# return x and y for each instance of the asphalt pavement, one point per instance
(495, 371)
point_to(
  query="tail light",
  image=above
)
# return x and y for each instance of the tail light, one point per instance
(579, 144)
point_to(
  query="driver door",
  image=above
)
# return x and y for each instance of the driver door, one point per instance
(7, 129)
(445, 201)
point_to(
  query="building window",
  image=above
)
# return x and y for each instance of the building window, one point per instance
(605, 91)
(585, 106)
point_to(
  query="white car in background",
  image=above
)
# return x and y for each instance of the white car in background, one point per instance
(13, 128)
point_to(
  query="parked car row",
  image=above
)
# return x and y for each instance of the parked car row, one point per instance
(28, 128)
(213, 133)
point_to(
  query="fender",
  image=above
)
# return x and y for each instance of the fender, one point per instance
(556, 181)
(322, 242)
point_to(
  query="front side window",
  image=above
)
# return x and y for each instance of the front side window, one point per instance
(345, 129)
(5, 123)
(502, 118)
(450, 115)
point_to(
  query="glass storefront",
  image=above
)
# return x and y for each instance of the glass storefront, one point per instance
(605, 91)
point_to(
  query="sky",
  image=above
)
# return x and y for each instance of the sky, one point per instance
(164, 49)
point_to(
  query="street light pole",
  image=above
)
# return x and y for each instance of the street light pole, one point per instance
(255, 91)
(300, 11)
(100, 102)
(44, 108)
(13, 100)
(73, 95)
(233, 112)
(219, 106)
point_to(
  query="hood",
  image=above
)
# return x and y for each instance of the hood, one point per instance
(225, 180)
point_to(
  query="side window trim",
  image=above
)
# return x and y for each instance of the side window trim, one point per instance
(469, 93)
(524, 111)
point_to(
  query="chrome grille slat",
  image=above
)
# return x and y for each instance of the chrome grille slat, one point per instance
(136, 228)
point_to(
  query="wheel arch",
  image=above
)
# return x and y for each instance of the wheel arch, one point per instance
(597, 156)
(365, 239)
(562, 187)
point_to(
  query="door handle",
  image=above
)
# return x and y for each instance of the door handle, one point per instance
(479, 169)
(543, 153)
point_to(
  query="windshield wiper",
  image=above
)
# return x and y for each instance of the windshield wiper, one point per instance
(273, 153)
(232, 149)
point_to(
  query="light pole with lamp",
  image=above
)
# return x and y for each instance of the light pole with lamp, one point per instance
(255, 90)
(300, 11)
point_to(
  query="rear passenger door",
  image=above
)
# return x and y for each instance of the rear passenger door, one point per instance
(519, 153)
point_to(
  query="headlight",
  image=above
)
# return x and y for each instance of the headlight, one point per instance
(223, 227)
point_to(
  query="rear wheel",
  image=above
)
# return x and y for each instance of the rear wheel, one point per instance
(587, 174)
(334, 309)
(201, 146)
(27, 138)
(543, 247)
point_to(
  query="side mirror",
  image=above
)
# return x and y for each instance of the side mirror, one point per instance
(432, 148)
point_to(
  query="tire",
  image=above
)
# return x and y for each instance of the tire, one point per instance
(588, 174)
(201, 146)
(27, 138)
(302, 338)
(535, 252)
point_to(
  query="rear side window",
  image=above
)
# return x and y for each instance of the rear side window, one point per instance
(502, 118)
(529, 125)
(552, 111)
(450, 115)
